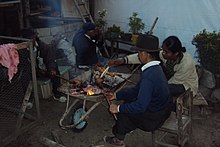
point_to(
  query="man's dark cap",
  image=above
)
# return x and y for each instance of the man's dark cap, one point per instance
(88, 26)
(146, 42)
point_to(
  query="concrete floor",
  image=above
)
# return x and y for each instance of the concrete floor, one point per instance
(206, 129)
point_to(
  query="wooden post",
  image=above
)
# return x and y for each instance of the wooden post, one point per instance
(26, 13)
(109, 103)
(152, 27)
(23, 107)
(34, 78)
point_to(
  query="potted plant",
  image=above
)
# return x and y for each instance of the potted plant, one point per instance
(126, 36)
(136, 26)
(101, 22)
(208, 50)
(113, 32)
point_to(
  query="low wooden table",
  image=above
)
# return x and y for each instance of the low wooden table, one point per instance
(116, 42)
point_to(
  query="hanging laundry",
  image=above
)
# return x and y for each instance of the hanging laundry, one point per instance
(9, 58)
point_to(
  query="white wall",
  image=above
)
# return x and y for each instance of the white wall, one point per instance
(183, 18)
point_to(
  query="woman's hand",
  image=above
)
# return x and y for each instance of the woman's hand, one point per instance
(116, 62)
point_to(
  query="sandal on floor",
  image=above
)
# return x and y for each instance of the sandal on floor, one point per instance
(61, 99)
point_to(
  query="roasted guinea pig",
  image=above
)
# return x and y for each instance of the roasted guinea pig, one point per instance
(99, 81)
(75, 82)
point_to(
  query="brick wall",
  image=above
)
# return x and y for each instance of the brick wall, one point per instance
(48, 34)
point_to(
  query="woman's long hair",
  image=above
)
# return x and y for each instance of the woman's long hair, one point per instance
(173, 44)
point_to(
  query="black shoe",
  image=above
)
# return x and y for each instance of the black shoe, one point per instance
(114, 141)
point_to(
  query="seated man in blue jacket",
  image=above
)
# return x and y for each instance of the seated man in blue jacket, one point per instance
(146, 105)
(85, 42)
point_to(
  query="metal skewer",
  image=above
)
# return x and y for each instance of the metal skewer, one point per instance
(109, 103)
(104, 72)
(120, 76)
(60, 77)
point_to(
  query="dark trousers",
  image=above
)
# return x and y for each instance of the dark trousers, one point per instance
(147, 121)
(54, 80)
(176, 89)
(55, 84)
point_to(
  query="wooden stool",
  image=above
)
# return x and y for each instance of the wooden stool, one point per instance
(200, 101)
(178, 124)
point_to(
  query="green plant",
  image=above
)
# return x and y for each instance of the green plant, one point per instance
(114, 28)
(101, 22)
(113, 32)
(135, 23)
(208, 50)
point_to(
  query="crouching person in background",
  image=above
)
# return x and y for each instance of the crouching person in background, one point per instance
(45, 61)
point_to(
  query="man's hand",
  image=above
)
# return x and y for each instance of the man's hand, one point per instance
(110, 96)
(99, 81)
(113, 108)
(53, 73)
(116, 62)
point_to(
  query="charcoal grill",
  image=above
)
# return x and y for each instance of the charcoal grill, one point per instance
(76, 113)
